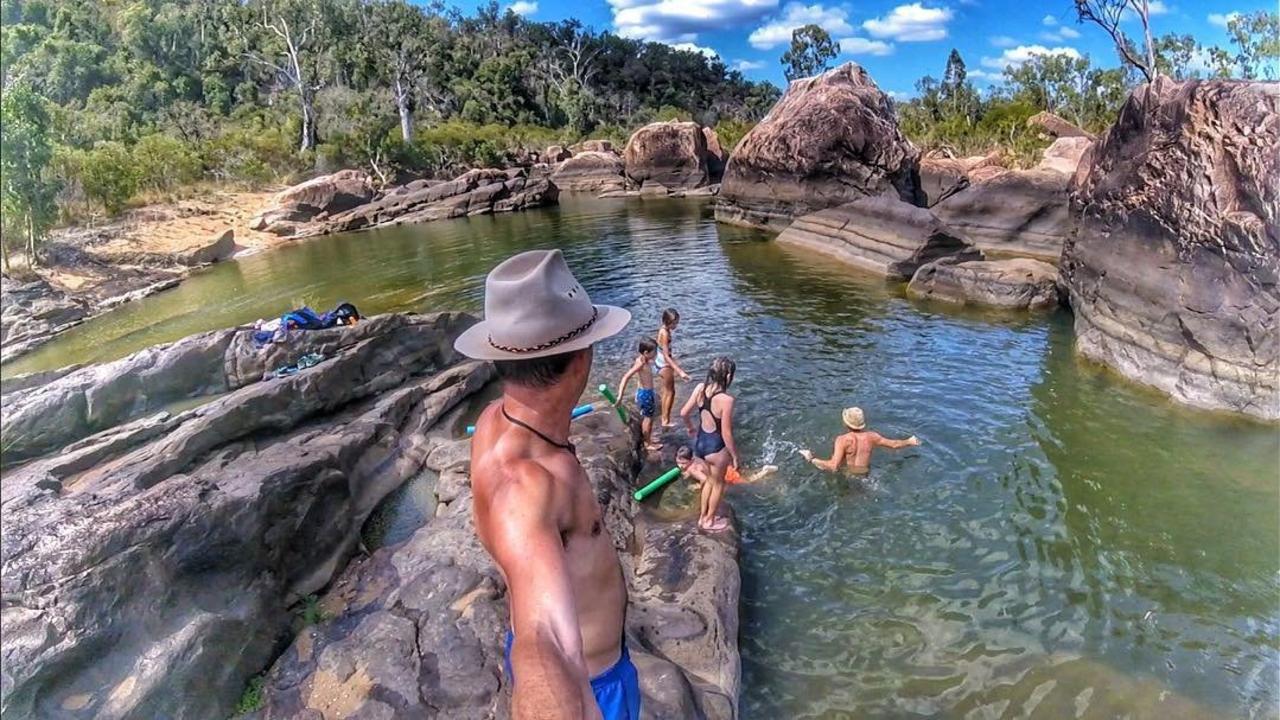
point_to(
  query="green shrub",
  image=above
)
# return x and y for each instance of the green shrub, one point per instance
(164, 163)
(106, 173)
(730, 132)
(251, 699)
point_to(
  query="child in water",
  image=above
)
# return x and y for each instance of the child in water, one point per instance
(668, 369)
(713, 438)
(697, 470)
(642, 370)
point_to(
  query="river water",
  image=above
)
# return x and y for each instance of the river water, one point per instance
(1064, 544)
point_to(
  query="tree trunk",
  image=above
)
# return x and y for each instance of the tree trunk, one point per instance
(4, 254)
(1151, 46)
(31, 240)
(406, 111)
(308, 122)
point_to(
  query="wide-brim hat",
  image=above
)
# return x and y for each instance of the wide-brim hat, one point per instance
(534, 307)
(854, 419)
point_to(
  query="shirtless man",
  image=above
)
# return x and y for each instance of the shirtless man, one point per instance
(535, 510)
(853, 448)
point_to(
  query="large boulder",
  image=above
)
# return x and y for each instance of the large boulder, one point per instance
(603, 146)
(481, 191)
(716, 156)
(150, 571)
(47, 417)
(1065, 154)
(326, 195)
(555, 154)
(672, 155)
(1054, 126)
(1015, 283)
(591, 171)
(942, 177)
(1012, 212)
(1172, 273)
(416, 630)
(830, 140)
(881, 235)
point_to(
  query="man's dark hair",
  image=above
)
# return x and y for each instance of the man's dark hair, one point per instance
(536, 372)
(648, 345)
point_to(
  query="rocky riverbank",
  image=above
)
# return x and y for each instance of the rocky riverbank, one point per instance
(154, 562)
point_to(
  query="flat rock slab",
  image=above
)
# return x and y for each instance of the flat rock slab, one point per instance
(1023, 213)
(1015, 283)
(417, 630)
(881, 235)
(149, 571)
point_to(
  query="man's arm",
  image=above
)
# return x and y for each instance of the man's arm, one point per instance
(551, 677)
(885, 442)
(837, 457)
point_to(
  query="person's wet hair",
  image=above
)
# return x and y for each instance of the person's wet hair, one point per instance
(683, 453)
(670, 317)
(536, 372)
(721, 373)
(648, 345)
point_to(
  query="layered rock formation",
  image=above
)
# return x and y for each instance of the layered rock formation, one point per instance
(942, 177)
(475, 192)
(47, 417)
(880, 235)
(670, 155)
(32, 312)
(1172, 273)
(1054, 126)
(416, 630)
(1016, 283)
(148, 571)
(314, 199)
(1012, 212)
(830, 140)
(591, 171)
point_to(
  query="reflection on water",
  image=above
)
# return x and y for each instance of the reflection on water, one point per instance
(1063, 544)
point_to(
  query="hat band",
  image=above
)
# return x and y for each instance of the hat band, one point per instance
(551, 343)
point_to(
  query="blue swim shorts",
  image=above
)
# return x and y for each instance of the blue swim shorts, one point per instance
(617, 689)
(647, 402)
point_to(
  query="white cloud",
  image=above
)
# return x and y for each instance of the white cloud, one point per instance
(1069, 33)
(1061, 34)
(1017, 56)
(980, 74)
(691, 47)
(1221, 19)
(911, 23)
(523, 7)
(1002, 41)
(1154, 8)
(796, 15)
(863, 46)
(1049, 20)
(748, 65)
(680, 21)
(900, 96)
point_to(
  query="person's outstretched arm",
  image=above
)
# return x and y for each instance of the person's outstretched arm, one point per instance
(551, 677)
(626, 378)
(689, 405)
(837, 457)
(664, 347)
(885, 442)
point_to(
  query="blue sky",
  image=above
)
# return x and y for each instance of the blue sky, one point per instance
(897, 41)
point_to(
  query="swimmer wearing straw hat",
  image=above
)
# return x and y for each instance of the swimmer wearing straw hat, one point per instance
(853, 449)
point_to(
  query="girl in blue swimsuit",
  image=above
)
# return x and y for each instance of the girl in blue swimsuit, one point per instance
(713, 437)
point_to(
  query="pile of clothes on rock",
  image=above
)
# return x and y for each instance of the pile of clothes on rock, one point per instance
(277, 330)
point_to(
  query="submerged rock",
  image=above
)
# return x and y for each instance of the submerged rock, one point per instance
(672, 155)
(880, 235)
(1016, 283)
(1172, 273)
(148, 571)
(1012, 212)
(417, 630)
(303, 203)
(475, 192)
(591, 171)
(831, 139)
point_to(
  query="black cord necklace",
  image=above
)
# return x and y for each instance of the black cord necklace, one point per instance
(562, 445)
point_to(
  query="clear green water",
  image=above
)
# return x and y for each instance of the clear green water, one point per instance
(1063, 545)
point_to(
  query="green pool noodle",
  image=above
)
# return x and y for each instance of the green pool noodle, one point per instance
(658, 482)
(608, 395)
